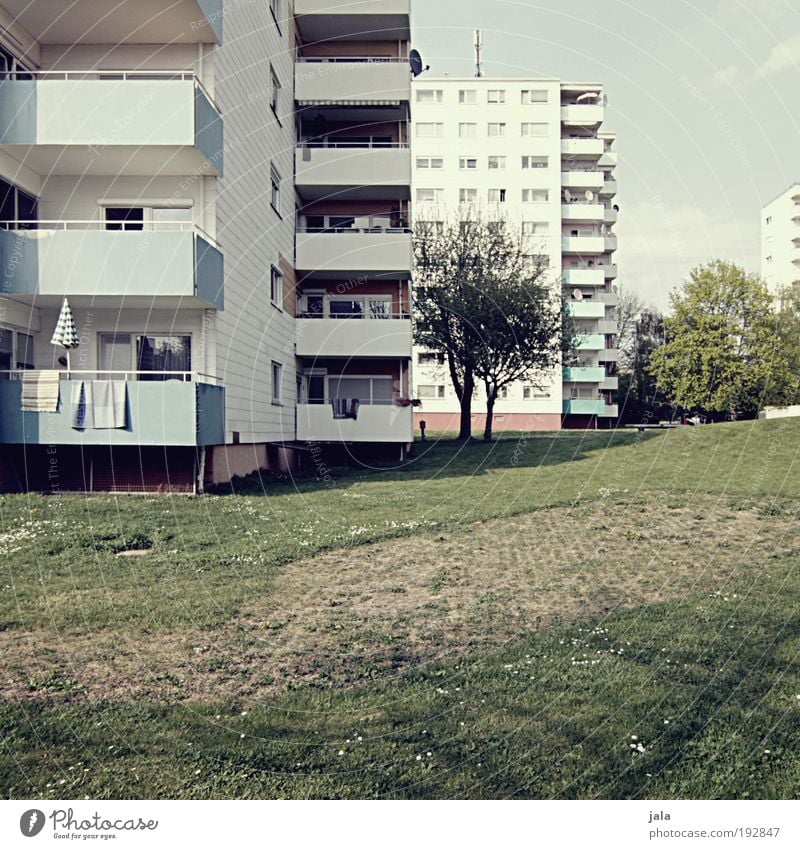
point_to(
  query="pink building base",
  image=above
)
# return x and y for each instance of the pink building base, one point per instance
(502, 421)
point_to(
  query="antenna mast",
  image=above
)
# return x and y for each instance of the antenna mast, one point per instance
(478, 53)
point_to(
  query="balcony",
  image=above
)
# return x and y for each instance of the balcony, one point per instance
(584, 407)
(353, 173)
(382, 20)
(582, 114)
(582, 179)
(610, 299)
(372, 338)
(375, 423)
(608, 326)
(587, 309)
(172, 412)
(610, 244)
(582, 244)
(111, 265)
(582, 148)
(584, 375)
(609, 159)
(140, 22)
(610, 270)
(582, 212)
(610, 216)
(584, 276)
(355, 253)
(590, 342)
(609, 188)
(343, 81)
(610, 384)
(73, 123)
(608, 355)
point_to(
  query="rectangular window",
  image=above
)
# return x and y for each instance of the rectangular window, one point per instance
(429, 95)
(468, 96)
(496, 95)
(430, 131)
(429, 195)
(497, 130)
(535, 162)
(529, 392)
(276, 288)
(467, 131)
(277, 383)
(530, 97)
(467, 163)
(6, 352)
(429, 162)
(430, 390)
(535, 195)
(366, 390)
(534, 130)
(535, 228)
(162, 355)
(497, 163)
(497, 195)
(429, 358)
(24, 351)
(467, 195)
(275, 91)
(275, 189)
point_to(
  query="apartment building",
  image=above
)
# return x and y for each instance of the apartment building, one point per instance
(780, 240)
(148, 163)
(531, 151)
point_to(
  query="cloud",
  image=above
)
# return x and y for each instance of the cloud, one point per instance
(784, 56)
(660, 243)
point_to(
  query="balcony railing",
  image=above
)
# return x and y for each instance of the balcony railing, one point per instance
(124, 374)
(318, 144)
(351, 59)
(61, 225)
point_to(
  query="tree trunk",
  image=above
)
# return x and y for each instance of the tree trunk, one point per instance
(465, 427)
(487, 431)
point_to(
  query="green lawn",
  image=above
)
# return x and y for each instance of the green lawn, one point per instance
(703, 673)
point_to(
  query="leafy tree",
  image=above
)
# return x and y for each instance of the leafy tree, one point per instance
(722, 355)
(485, 305)
(630, 307)
(641, 400)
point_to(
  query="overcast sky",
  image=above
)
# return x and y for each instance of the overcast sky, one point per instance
(704, 97)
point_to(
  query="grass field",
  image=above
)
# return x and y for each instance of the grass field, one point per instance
(550, 616)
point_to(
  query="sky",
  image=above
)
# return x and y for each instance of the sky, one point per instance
(704, 97)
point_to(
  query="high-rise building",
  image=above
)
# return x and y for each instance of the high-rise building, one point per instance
(531, 151)
(780, 240)
(237, 261)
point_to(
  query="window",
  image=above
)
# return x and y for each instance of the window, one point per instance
(154, 353)
(277, 383)
(429, 195)
(535, 161)
(467, 163)
(427, 130)
(430, 390)
(529, 392)
(16, 207)
(530, 97)
(502, 392)
(365, 307)
(467, 195)
(536, 261)
(769, 259)
(147, 217)
(535, 195)
(276, 288)
(429, 95)
(534, 130)
(468, 96)
(430, 358)
(6, 352)
(367, 390)
(769, 219)
(467, 131)
(496, 130)
(275, 189)
(275, 91)
(497, 163)
(429, 162)
(497, 195)
(24, 351)
(535, 228)
(496, 95)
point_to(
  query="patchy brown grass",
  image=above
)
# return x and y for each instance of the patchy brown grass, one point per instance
(350, 615)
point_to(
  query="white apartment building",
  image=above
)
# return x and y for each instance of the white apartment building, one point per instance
(780, 240)
(147, 167)
(530, 150)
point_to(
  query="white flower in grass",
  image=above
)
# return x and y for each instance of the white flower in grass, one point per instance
(419, 757)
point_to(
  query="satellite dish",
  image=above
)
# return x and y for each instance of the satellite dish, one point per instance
(417, 67)
(616, 208)
(589, 195)
(577, 294)
(568, 195)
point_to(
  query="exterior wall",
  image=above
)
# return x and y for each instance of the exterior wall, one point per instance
(252, 333)
(449, 421)
(780, 227)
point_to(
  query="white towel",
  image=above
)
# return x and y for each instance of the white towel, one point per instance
(40, 391)
(108, 404)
